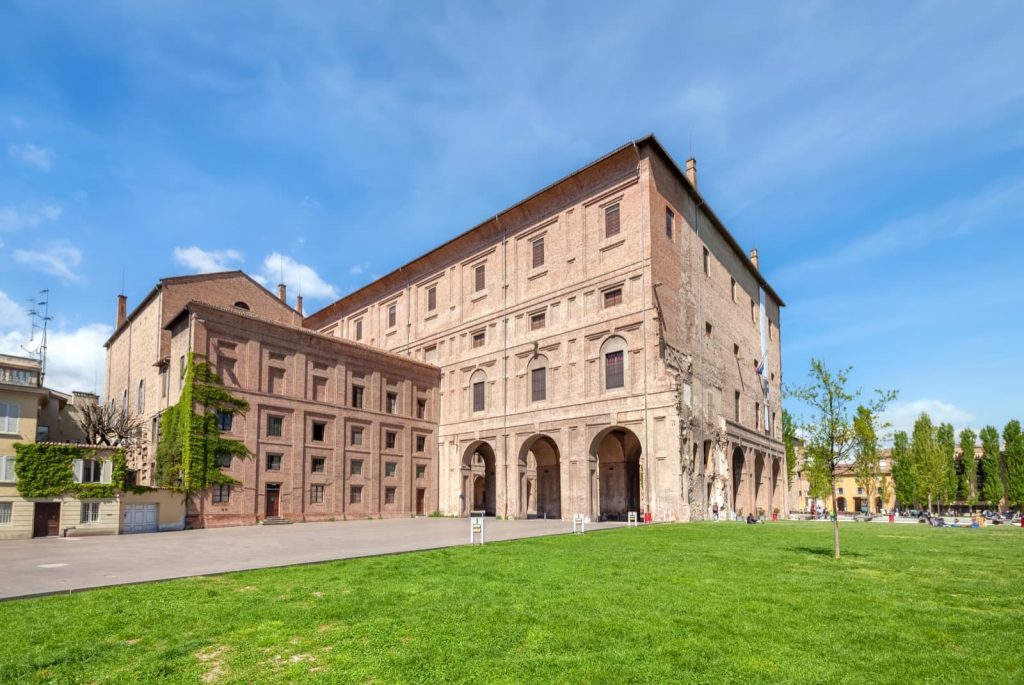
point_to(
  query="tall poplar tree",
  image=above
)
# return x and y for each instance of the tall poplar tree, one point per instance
(945, 440)
(991, 487)
(904, 475)
(867, 459)
(927, 458)
(789, 442)
(967, 487)
(1013, 445)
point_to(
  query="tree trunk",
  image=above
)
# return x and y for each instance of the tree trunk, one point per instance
(835, 520)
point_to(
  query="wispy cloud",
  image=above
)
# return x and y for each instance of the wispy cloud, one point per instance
(60, 259)
(21, 218)
(300, 278)
(32, 155)
(903, 414)
(206, 261)
(357, 269)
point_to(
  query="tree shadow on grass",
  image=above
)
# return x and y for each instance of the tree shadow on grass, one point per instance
(822, 551)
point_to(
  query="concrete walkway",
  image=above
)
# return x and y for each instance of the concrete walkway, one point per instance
(61, 565)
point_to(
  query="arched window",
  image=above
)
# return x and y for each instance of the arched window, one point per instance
(241, 305)
(613, 363)
(140, 398)
(538, 374)
(478, 390)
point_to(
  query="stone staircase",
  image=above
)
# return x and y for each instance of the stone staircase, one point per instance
(275, 521)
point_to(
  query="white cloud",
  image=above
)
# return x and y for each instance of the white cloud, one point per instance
(903, 415)
(300, 278)
(203, 261)
(12, 314)
(34, 156)
(357, 269)
(14, 219)
(60, 259)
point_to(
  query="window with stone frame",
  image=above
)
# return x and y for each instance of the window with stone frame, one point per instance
(421, 408)
(392, 315)
(355, 494)
(613, 365)
(390, 469)
(357, 397)
(275, 426)
(316, 493)
(421, 443)
(479, 277)
(319, 432)
(390, 495)
(318, 465)
(221, 494)
(421, 471)
(538, 385)
(390, 439)
(477, 383)
(538, 320)
(431, 298)
(274, 462)
(612, 297)
(359, 329)
(611, 220)
(357, 435)
(391, 403)
(355, 467)
(707, 262)
(538, 253)
(479, 338)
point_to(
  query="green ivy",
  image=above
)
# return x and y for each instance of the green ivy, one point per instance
(186, 456)
(46, 471)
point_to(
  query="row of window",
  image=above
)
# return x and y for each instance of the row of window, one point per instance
(319, 465)
(89, 513)
(275, 429)
(221, 494)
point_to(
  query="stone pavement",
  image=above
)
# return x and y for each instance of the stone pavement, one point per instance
(62, 565)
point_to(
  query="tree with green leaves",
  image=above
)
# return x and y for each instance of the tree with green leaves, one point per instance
(991, 487)
(789, 442)
(927, 457)
(867, 460)
(904, 475)
(967, 484)
(945, 440)
(190, 439)
(1013, 446)
(829, 433)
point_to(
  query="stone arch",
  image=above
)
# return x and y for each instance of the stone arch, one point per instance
(242, 305)
(478, 479)
(762, 490)
(615, 453)
(614, 344)
(540, 478)
(778, 485)
(841, 504)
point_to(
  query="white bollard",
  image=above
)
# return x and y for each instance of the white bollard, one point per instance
(632, 519)
(476, 527)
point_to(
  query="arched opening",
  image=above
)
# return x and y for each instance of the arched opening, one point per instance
(739, 504)
(478, 481)
(616, 452)
(778, 486)
(614, 363)
(241, 305)
(540, 467)
(762, 498)
(841, 504)
(709, 472)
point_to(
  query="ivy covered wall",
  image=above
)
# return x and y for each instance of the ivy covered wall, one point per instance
(47, 471)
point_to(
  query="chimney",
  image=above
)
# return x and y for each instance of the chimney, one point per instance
(691, 171)
(282, 292)
(122, 310)
(298, 304)
(753, 258)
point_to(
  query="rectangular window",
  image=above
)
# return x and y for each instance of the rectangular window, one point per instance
(707, 262)
(390, 439)
(9, 418)
(359, 329)
(431, 298)
(223, 460)
(480, 277)
(732, 288)
(316, 494)
(357, 397)
(538, 320)
(318, 465)
(390, 494)
(614, 370)
(611, 220)
(221, 494)
(479, 338)
(757, 415)
(840, 491)
(612, 297)
(669, 220)
(6, 511)
(538, 385)
(181, 372)
(7, 470)
(753, 312)
(274, 462)
(356, 467)
(707, 328)
(421, 408)
(538, 253)
(421, 471)
(392, 315)
(421, 443)
(390, 469)
(319, 389)
(355, 494)
(90, 512)
(478, 396)
(224, 420)
(91, 471)
(430, 354)
(165, 379)
(357, 435)
(771, 331)
(275, 426)
(736, 407)
(391, 405)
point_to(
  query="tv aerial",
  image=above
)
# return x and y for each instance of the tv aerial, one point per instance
(40, 313)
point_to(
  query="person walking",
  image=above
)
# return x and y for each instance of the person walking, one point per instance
(714, 511)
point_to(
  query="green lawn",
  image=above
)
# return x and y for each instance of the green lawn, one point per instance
(675, 603)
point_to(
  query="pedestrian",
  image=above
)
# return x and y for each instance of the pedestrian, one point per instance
(714, 511)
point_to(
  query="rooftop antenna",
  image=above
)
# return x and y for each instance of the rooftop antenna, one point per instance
(40, 313)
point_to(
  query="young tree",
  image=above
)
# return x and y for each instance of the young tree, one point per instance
(904, 474)
(967, 487)
(829, 434)
(991, 488)
(945, 440)
(867, 460)
(1013, 443)
(789, 442)
(927, 458)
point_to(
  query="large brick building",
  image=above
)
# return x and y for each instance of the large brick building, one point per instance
(603, 346)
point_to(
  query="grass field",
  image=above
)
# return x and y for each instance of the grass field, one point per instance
(676, 603)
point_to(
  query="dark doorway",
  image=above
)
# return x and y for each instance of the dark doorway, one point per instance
(540, 463)
(617, 453)
(478, 466)
(421, 500)
(47, 520)
(273, 500)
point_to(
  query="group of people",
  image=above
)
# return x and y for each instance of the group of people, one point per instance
(715, 513)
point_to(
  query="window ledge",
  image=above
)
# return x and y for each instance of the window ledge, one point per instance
(478, 296)
(432, 315)
(539, 274)
(612, 243)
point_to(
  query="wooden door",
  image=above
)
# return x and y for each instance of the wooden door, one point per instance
(273, 500)
(421, 497)
(47, 520)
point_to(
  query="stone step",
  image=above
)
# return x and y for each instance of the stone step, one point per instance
(275, 521)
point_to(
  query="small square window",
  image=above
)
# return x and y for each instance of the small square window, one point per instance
(480, 277)
(273, 462)
(390, 469)
(421, 408)
(319, 431)
(391, 403)
(479, 338)
(318, 465)
(357, 435)
(390, 439)
(357, 397)
(223, 460)
(356, 467)
(221, 494)
(612, 297)
(224, 420)
(611, 220)
(390, 495)
(421, 471)
(316, 494)
(275, 426)
(421, 443)
(392, 315)
(538, 320)
(538, 253)
(431, 298)
(355, 494)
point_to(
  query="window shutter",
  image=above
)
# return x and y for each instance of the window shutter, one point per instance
(611, 221)
(538, 252)
(106, 471)
(76, 470)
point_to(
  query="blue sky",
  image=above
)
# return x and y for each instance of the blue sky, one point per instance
(873, 153)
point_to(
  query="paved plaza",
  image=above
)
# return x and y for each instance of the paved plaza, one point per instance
(57, 565)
